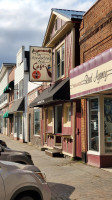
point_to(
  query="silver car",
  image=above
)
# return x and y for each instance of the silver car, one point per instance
(22, 182)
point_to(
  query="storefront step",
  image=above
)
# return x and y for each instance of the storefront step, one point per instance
(43, 148)
(58, 148)
(53, 153)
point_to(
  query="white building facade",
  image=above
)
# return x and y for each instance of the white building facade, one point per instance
(4, 74)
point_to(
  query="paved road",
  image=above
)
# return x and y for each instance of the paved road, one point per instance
(69, 180)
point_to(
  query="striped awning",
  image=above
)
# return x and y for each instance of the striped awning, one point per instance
(9, 87)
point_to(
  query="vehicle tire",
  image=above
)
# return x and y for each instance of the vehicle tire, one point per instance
(26, 198)
(29, 196)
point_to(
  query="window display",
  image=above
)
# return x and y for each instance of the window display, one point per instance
(93, 125)
(108, 124)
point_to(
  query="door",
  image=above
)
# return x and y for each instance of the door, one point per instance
(29, 127)
(58, 119)
(78, 135)
(58, 124)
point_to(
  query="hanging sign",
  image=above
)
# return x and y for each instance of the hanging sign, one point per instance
(40, 64)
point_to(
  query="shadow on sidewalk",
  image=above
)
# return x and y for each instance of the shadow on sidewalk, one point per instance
(60, 191)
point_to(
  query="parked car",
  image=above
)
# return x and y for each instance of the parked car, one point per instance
(22, 182)
(14, 155)
(3, 143)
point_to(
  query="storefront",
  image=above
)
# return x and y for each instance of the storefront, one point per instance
(17, 110)
(92, 81)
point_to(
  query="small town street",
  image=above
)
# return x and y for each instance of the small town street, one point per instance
(68, 180)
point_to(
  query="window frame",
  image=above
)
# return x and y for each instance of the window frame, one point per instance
(61, 64)
(67, 117)
(35, 121)
(93, 152)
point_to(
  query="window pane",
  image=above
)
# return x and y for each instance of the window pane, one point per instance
(58, 57)
(37, 128)
(69, 114)
(37, 115)
(62, 63)
(108, 124)
(93, 122)
(37, 122)
(58, 63)
(62, 68)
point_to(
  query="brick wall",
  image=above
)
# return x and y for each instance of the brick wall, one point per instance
(83, 125)
(95, 37)
(96, 30)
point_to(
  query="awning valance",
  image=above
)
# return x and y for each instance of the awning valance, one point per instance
(18, 106)
(57, 92)
(7, 115)
(9, 87)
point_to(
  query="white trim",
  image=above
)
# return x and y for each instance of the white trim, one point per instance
(93, 153)
(61, 17)
(88, 118)
(56, 49)
(68, 154)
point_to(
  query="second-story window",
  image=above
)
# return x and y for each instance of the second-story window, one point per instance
(21, 89)
(16, 91)
(60, 54)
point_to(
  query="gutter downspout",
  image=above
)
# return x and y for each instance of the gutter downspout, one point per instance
(73, 129)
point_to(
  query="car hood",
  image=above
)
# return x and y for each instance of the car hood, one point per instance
(13, 165)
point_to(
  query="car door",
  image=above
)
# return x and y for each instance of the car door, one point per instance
(2, 191)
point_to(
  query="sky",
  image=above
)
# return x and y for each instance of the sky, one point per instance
(24, 22)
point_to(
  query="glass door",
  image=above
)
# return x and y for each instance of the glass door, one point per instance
(93, 125)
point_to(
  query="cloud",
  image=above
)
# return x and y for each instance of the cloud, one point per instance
(24, 22)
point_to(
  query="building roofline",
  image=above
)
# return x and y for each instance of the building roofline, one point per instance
(91, 7)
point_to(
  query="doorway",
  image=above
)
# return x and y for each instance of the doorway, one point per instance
(58, 119)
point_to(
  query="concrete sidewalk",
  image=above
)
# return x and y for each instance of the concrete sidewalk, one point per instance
(69, 180)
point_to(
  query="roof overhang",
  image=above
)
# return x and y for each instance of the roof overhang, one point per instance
(59, 34)
(58, 92)
(18, 106)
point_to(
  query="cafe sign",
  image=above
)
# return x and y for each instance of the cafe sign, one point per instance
(40, 64)
(91, 78)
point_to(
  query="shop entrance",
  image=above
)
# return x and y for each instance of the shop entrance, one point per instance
(78, 135)
(58, 123)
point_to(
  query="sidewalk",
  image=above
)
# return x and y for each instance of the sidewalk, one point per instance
(69, 180)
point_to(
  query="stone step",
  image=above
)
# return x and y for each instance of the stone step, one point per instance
(58, 148)
(53, 153)
(43, 148)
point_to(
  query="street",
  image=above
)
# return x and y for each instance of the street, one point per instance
(68, 180)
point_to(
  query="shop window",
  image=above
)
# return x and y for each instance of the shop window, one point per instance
(37, 122)
(93, 125)
(67, 114)
(50, 116)
(60, 54)
(108, 124)
(15, 124)
(20, 124)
